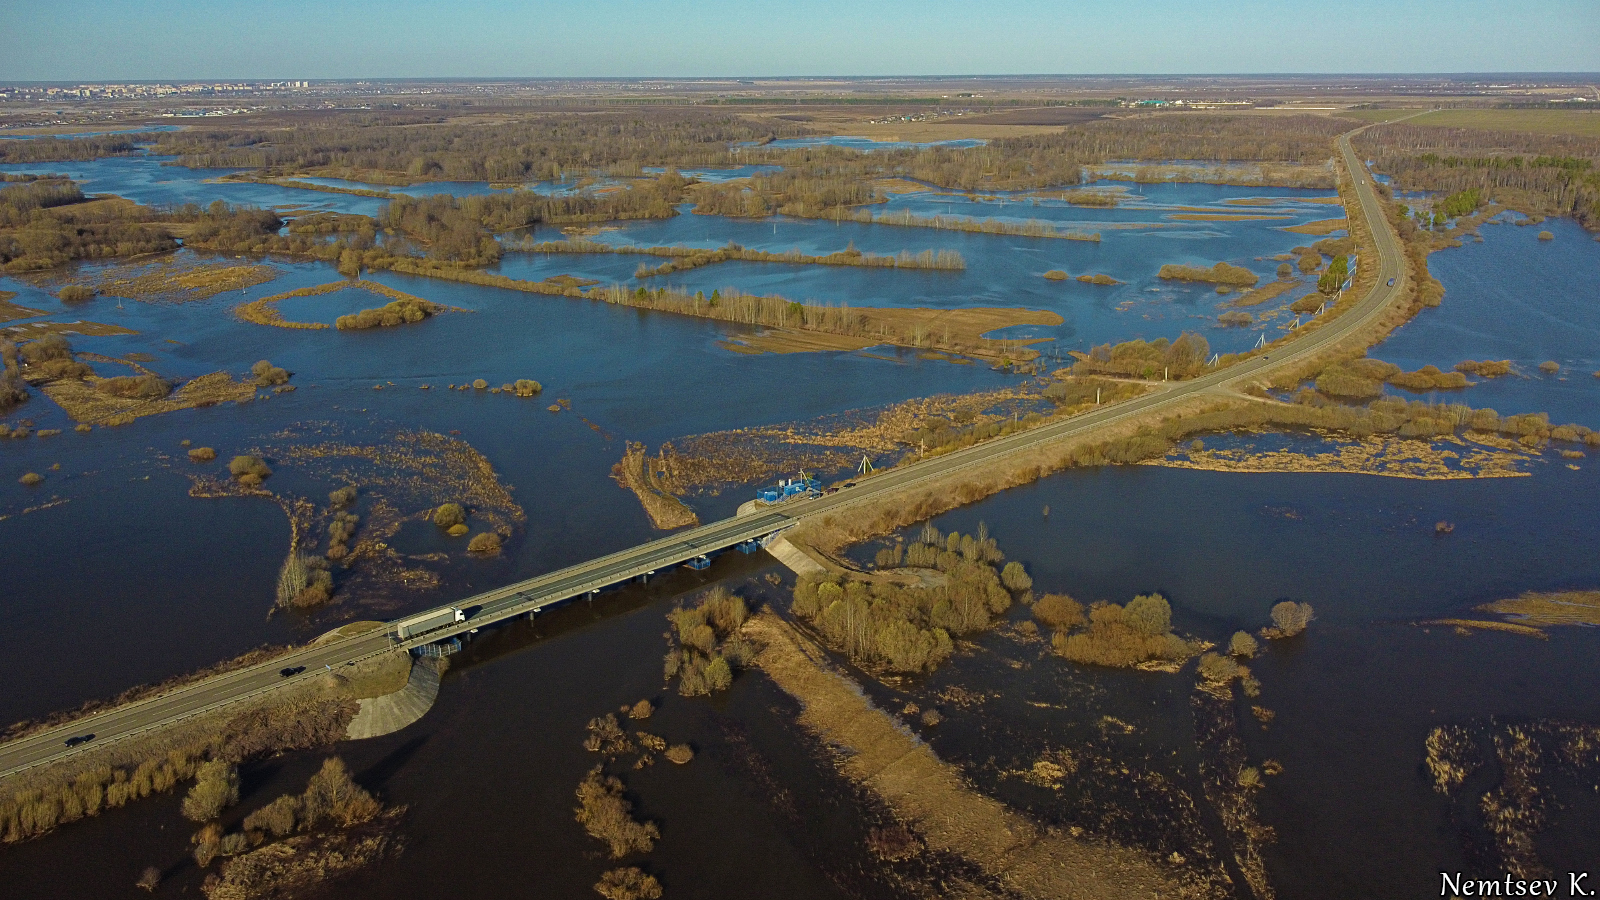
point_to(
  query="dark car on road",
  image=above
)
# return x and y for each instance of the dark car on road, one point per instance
(291, 671)
(1391, 282)
(79, 739)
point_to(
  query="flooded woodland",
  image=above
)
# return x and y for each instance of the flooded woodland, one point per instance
(134, 560)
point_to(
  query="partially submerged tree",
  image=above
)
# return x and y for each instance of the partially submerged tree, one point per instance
(1289, 619)
(216, 787)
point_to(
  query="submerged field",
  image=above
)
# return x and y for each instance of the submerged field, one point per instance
(137, 561)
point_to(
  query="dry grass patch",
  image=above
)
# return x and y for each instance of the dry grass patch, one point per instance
(1320, 227)
(10, 311)
(1546, 610)
(85, 402)
(174, 281)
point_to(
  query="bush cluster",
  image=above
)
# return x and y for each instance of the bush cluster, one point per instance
(629, 883)
(268, 374)
(304, 582)
(1221, 273)
(134, 387)
(249, 470)
(331, 798)
(1148, 359)
(49, 358)
(292, 726)
(449, 515)
(903, 629)
(1487, 368)
(1124, 636)
(216, 787)
(607, 815)
(395, 312)
(341, 529)
(706, 645)
(1059, 612)
(33, 812)
(1289, 619)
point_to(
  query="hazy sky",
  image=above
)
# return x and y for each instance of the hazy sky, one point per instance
(183, 39)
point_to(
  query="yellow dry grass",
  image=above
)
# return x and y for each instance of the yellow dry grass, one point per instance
(1489, 625)
(1026, 859)
(265, 310)
(10, 311)
(1260, 295)
(176, 281)
(943, 327)
(84, 403)
(1550, 609)
(1394, 457)
(1321, 226)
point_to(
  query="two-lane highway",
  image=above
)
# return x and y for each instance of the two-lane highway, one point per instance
(530, 595)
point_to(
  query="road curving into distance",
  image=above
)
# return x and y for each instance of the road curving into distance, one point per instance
(527, 597)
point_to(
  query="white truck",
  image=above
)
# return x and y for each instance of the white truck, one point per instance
(411, 626)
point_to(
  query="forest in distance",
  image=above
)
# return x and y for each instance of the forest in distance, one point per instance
(1076, 377)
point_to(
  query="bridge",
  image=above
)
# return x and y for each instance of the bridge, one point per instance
(529, 596)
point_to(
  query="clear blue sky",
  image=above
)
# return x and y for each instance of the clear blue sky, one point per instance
(52, 40)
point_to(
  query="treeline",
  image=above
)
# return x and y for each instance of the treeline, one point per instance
(59, 149)
(19, 200)
(47, 224)
(460, 229)
(808, 191)
(883, 625)
(684, 258)
(550, 146)
(1543, 174)
(539, 147)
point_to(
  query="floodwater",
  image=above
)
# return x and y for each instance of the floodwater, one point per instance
(489, 775)
(1515, 297)
(629, 375)
(1355, 697)
(145, 179)
(131, 580)
(1145, 230)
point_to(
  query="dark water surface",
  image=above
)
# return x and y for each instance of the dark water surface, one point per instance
(489, 776)
(629, 375)
(1512, 296)
(131, 580)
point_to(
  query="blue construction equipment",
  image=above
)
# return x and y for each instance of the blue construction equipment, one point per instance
(789, 489)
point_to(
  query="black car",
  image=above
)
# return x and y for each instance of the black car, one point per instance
(291, 671)
(79, 739)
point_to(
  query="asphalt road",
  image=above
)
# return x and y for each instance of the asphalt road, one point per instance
(528, 596)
